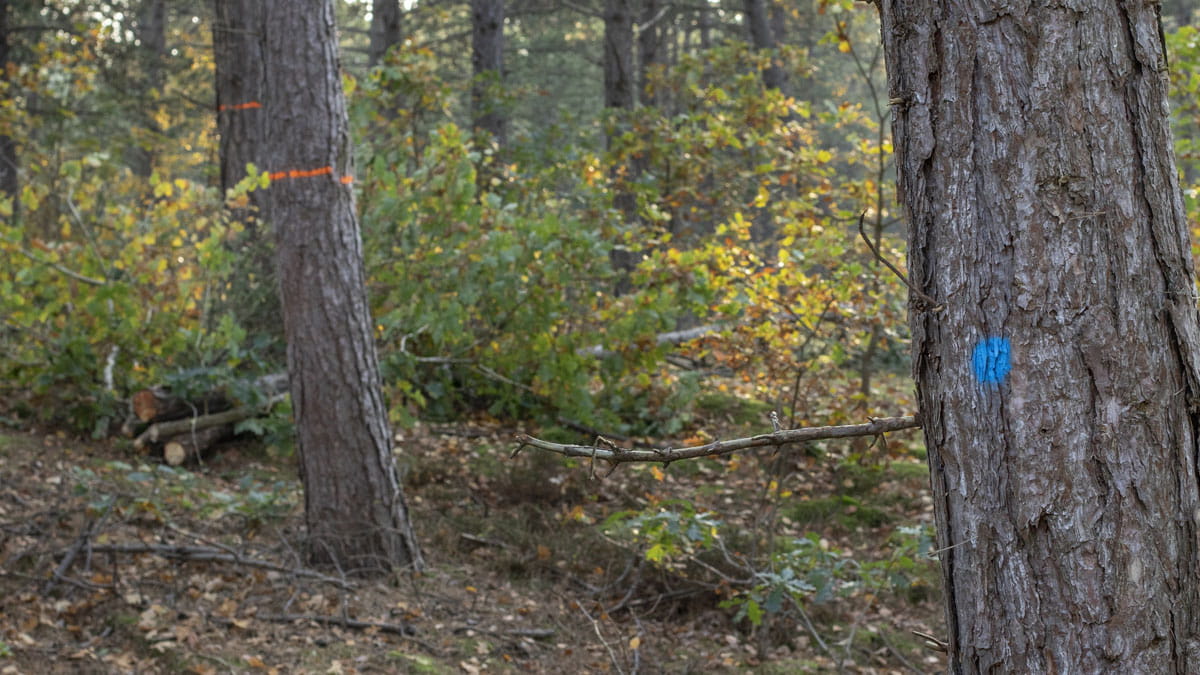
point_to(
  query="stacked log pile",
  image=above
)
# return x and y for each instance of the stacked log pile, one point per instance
(184, 430)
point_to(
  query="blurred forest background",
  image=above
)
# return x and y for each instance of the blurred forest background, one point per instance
(631, 218)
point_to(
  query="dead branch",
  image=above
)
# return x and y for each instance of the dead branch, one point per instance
(205, 554)
(403, 631)
(615, 455)
(929, 303)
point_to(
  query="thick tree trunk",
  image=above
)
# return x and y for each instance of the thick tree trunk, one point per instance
(487, 61)
(386, 30)
(356, 514)
(1059, 383)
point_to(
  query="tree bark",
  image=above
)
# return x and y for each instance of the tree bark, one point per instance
(487, 61)
(238, 54)
(386, 29)
(652, 29)
(152, 35)
(758, 22)
(355, 510)
(618, 54)
(1058, 384)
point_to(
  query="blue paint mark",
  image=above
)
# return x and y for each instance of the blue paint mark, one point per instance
(991, 360)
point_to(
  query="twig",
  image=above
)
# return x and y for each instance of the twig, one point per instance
(718, 448)
(405, 632)
(61, 269)
(930, 303)
(932, 642)
(204, 554)
(81, 541)
(612, 656)
(882, 635)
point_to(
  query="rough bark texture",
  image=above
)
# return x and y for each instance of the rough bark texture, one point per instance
(356, 514)
(487, 61)
(1058, 385)
(386, 29)
(238, 55)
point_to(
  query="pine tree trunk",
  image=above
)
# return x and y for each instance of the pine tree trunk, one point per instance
(1059, 383)
(355, 510)
(238, 55)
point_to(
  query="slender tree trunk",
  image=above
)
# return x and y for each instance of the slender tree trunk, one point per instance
(386, 29)
(152, 34)
(650, 41)
(487, 61)
(238, 55)
(355, 509)
(619, 82)
(1059, 382)
(763, 38)
(618, 54)
(9, 184)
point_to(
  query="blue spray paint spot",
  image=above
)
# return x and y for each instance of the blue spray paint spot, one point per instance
(991, 360)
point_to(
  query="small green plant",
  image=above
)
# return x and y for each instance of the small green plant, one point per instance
(674, 528)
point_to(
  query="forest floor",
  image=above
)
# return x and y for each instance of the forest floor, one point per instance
(111, 562)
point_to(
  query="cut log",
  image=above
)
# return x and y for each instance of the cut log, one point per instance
(190, 447)
(164, 430)
(156, 404)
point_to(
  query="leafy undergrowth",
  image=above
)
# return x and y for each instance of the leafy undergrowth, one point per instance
(112, 563)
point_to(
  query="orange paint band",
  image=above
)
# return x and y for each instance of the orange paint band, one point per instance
(239, 106)
(309, 173)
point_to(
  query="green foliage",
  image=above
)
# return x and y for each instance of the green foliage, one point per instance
(1183, 49)
(154, 493)
(672, 529)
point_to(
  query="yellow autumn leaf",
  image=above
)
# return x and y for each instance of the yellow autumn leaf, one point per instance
(844, 47)
(635, 642)
(657, 472)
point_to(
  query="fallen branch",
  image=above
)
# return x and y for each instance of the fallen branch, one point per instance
(394, 628)
(605, 450)
(205, 554)
(403, 631)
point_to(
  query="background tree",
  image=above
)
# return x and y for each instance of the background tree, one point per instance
(9, 183)
(487, 65)
(386, 29)
(356, 513)
(151, 31)
(237, 35)
(1055, 332)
